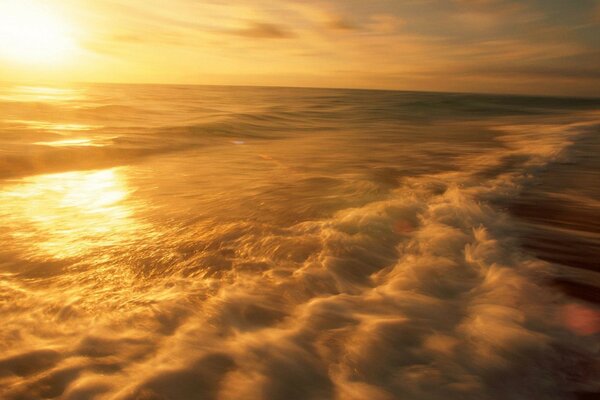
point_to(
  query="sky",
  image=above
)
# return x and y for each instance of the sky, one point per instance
(503, 46)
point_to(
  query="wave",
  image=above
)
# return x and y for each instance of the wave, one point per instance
(424, 294)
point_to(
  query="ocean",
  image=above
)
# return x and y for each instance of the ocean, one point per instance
(206, 242)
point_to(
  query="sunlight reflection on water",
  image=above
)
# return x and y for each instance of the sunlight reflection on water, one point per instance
(69, 214)
(70, 142)
(51, 126)
(42, 94)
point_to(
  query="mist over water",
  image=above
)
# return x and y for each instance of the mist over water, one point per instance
(187, 242)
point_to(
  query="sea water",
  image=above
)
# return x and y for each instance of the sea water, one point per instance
(198, 242)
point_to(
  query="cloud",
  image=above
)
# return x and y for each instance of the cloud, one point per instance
(384, 23)
(491, 15)
(542, 72)
(129, 38)
(341, 23)
(263, 30)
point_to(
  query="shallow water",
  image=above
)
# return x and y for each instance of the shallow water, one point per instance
(181, 242)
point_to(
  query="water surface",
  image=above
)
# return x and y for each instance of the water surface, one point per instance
(183, 242)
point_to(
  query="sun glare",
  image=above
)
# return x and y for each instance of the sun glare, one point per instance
(33, 33)
(68, 214)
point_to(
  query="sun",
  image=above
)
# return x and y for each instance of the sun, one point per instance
(33, 33)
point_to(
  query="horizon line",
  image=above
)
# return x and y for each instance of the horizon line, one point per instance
(363, 89)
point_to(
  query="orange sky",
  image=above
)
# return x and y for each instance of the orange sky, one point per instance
(526, 46)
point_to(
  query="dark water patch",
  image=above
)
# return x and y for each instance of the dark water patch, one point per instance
(560, 213)
(577, 290)
(29, 363)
